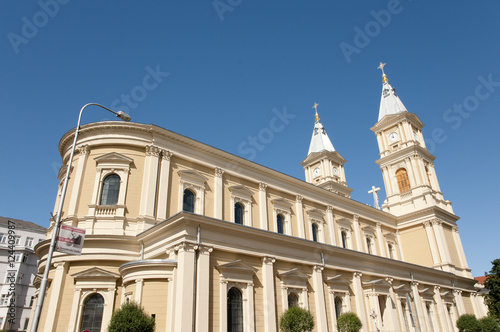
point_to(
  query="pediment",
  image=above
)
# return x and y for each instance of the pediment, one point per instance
(338, 280)
(378, 283)
(95, 273)
(402, 289)
(236, 266)
(192, 175)
(293, 273)
(369, 230)
(241, 190)
(315, 214)
(429, 292)
(113, 158)
(281, 203)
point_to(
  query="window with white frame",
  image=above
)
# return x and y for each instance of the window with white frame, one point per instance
(345, 232)
(29, 242)
(234, 310)
(188, 200)
(282, 216)
(294, 283)
(17, 240)
(316, 225)
(3, 238)
(4, 299)
(110, 190)
(370, 239)
(391, 243)
(195, 182)
(241, 201)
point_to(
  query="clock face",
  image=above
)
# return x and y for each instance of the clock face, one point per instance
(393, 136)
(316, 171)
(335, 171)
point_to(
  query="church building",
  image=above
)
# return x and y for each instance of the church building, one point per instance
(208, 241)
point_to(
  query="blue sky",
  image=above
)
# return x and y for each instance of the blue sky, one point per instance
(220, 70)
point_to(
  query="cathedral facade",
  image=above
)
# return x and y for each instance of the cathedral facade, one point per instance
(208, 241)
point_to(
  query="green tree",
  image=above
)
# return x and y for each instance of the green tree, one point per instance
(492, 283)
(489, 324)
(296, 319)
(468, 323)
(349, 322)
(131, 318)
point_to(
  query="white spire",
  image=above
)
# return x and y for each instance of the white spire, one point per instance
(319, 141)
(389, 102)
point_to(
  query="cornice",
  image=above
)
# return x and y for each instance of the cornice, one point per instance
(406, 152)
(392, 119)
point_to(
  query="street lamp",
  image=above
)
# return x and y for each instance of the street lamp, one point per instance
(43, 285)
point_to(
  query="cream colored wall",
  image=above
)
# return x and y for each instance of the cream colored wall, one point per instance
(154, 300)
(415, 246)
(468, 303)
(448, 234)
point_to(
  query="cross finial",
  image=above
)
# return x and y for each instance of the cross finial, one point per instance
(381, 67)
(316, 109)
(375, 196)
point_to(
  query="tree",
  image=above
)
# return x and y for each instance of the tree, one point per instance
(489, 324)
(468, 323)
(349, 322)
(492, 284)
(296, 319)
(131, 317)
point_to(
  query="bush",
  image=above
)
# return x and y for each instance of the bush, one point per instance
(349, 322)
(468, 323)
(296, 319)
(131, 318)
(489, 324)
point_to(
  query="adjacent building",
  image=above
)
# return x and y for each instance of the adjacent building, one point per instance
(208, 241)
(18, 269)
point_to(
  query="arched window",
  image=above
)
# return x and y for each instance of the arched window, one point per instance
(344, 239)
(92, 313)
(338, 306)
(234, 310)
(293, 300)
(315, 232)
(188, 201)
(110, 190)
(280, 223)
(239, 210)
(403, 181)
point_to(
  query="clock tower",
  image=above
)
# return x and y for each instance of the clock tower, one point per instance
(324, 166)
(407, 166)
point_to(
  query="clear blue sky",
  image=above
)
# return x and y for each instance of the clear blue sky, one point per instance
(220, 70)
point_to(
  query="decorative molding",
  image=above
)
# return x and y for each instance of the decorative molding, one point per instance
(166, 155)
(262, 186)
(299, 198)
(152, 150)
(218, 172)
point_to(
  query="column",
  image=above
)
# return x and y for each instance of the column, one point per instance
(55, 293)
(357, 233)
(139, 283)
(457, 294)
(77, 295)
(149, 182)
(417, 171)
(263, 206)
(84, 152)
(374, 309)
(184, 287)
(437, 226)
(331, 225)
(381, 240)
(162, 209)
(223, 307)
(391, 306)
(418, 305)
(269, 291)
(358, 297)
(170, 305)
(203, 288)
(300, 216)
(399, 246)
(319, 296)
(387, 181)
(460, 248)
(432, 242)
(401, 313)
(218, 193)
(249, 318)
(440, 309)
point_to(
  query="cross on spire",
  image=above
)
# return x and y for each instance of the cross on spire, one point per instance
(316, 108)
(381, 67)
(375, 196)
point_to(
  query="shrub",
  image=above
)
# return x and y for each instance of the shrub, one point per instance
(349, 322)
(468, 323)
(489, 324)
(131, 318)
(296, 319)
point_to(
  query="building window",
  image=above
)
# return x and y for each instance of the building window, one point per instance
(26, 322)
(280, 223)
(3, 238)
(20, 277)
(338, 306)
(92, 313)
(315, 232)
(239, 211)
(29, 242)
(403, 181)
(188, 201)
(234, 310)
(31, 301)
(25, 258)
(17, 257)
(293, 300)
(110, 190)
(344, 239)
(4, 299)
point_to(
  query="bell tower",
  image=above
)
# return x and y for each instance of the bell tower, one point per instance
(324, 166)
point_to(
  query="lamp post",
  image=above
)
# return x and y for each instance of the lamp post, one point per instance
(55, 233)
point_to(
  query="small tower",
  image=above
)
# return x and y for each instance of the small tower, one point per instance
(407, 166)
(324, 166)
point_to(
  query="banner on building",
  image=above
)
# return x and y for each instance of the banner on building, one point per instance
(70, 240)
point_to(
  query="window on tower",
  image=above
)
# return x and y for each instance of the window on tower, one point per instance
(403, 180)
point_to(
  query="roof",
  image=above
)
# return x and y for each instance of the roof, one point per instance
(481, 279)
(389, 101)
(320, 140)
(28, 225)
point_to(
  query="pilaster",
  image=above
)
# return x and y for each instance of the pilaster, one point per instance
(300, 216)
(331, 225)
(432, 242)
(269, 291)
(218, 193)
(380, 239)
(139, 284)
(357, 233)
(358, 297)
(149, 182)
(55, 293)
(83, 152)
(263, 206)
(164, 181)
(203, 289)
(184, 287)
(319, 296)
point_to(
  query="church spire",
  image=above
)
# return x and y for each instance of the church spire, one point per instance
(319, 141)
(389, 102)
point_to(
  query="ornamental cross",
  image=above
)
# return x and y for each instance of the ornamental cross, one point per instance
(375, 196)
(381, 67)
(316, 107)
